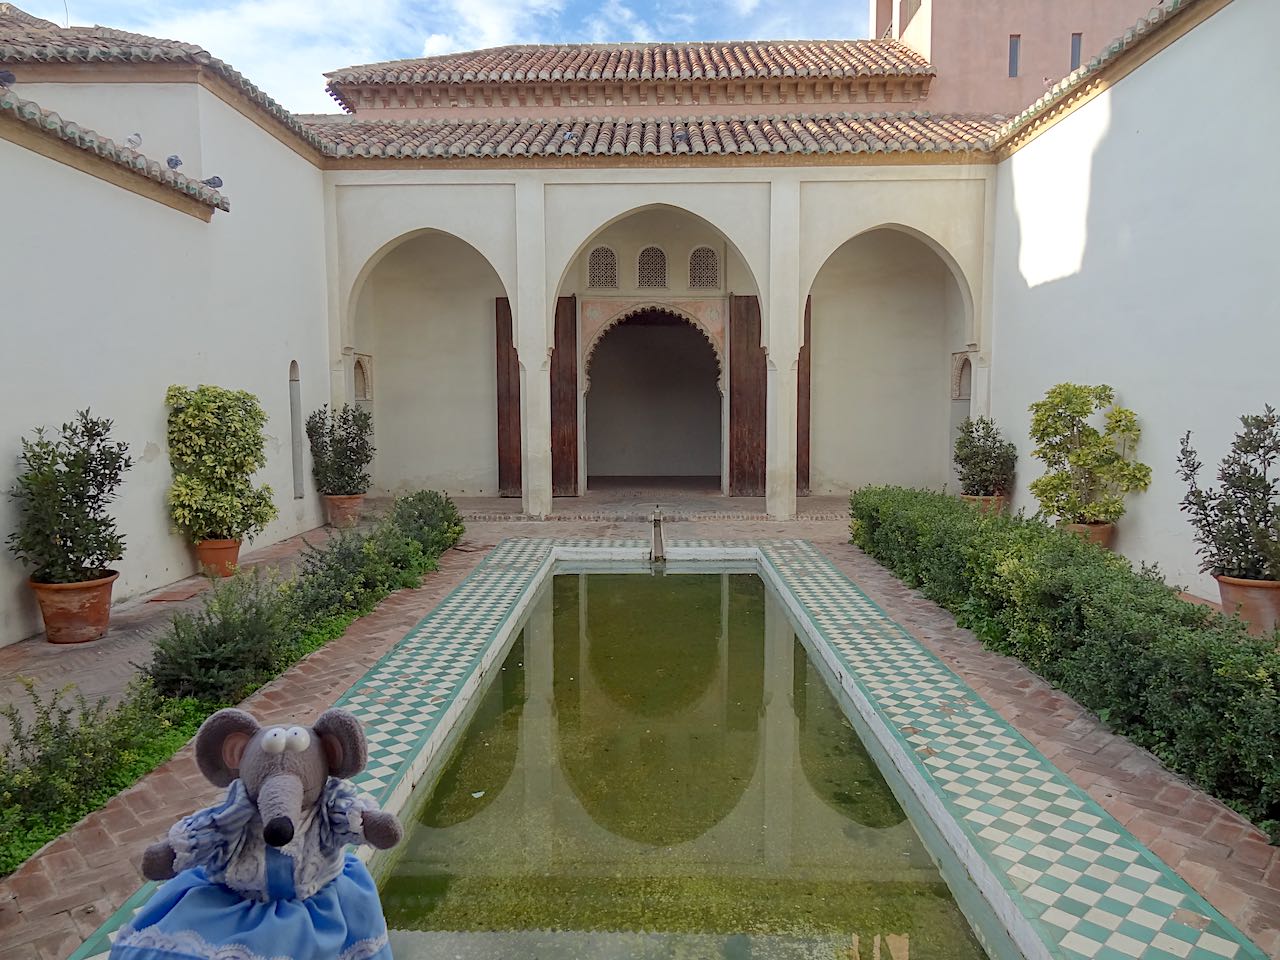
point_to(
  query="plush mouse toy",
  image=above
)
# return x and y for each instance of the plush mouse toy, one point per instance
(264, 874)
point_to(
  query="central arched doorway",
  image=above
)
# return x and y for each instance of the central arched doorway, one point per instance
(654, 406)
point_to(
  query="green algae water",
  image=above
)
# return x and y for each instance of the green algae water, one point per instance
(658, 770)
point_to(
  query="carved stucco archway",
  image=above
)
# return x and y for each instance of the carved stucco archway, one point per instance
(708, 317)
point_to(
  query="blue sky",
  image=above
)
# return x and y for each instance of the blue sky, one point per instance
(285, 45)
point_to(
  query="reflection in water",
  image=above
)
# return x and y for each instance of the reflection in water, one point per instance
(839, 769)
(659, 771)
(658, 690)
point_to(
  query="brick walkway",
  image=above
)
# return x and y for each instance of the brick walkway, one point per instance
(59, 896)
(104, 667)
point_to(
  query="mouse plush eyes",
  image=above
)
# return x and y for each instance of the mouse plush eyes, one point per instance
(298, 739)
(280, 739)
(273, 741)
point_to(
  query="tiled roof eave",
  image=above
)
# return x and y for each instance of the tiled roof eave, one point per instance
(521, 139)
(1076, 83)
(657, 62)
(50, 124)
(103, 45)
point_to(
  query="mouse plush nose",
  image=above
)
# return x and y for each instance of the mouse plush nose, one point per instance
(278, 831)
(280, 807)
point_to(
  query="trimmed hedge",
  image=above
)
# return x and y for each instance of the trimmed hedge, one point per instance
(76, 755)
(1182, 680)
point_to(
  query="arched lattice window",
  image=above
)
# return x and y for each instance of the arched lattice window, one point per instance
(652, 269)
(602, 268)
(704, 268)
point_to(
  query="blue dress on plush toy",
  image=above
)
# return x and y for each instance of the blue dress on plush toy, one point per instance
(236, 898)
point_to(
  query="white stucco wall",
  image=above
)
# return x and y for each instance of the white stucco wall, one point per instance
(1130, 253)
(426, 316)
(165, 115)
(115, 296)
(886, 316)
(653, 408)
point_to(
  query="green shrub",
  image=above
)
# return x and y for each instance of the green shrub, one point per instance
(216, 444)
(222, 652)
(1088, 471)
(984, 459)
(1187, 683)
(1238, 524)
(73, 756)
(352, 572)
(341, 449)
(431, 519)
(63, 488)
(251, 628)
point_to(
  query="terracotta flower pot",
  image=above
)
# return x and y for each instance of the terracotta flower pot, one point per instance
(343, 510)
(218, 558)
(995, 504)
(1256, 602)
(75, 612)
(1100, 533)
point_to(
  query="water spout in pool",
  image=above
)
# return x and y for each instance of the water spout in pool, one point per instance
(657, 553)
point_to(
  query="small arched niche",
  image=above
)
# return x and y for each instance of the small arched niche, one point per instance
(363, 380)
(295, 428)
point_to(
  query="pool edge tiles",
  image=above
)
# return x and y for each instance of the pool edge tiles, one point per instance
(1064, 878)
(1088, 886)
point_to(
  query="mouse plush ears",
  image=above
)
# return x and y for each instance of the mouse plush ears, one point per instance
(344, 744)
(220, 744)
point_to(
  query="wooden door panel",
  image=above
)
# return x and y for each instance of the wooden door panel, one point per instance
(509, 467)
(564, 400)
(747, 389)
(803, 378)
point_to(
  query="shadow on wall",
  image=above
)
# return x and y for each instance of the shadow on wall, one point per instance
(1123, 260)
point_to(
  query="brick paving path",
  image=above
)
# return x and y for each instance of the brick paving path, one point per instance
(104, 667)
(59, 896)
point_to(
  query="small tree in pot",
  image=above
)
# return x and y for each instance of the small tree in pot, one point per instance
(341, 451)
(984, 461)
(1238, 524)
(65, 533)
(216, 444)
(1088, 471)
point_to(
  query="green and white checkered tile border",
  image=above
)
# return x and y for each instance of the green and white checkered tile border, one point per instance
(1065, 879)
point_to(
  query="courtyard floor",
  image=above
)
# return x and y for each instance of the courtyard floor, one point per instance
(63, 893)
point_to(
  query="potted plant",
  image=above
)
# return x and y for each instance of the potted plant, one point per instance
(65, 533)
(341, 451)
(1238, 524)
(984, 461)
(1088, 471)
(216, 444)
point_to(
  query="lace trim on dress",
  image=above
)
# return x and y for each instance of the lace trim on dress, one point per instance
(191, 943)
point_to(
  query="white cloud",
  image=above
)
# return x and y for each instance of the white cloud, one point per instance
(438, 43)
(493, 23)
(615, 21)
(284, 46)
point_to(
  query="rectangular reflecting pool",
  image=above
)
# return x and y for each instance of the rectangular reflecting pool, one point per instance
(658, 769)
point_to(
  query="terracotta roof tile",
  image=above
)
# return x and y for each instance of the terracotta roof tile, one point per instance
(1157, 18)
(27, 39)
(52, 125)
(648, 61)
(832, 133)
